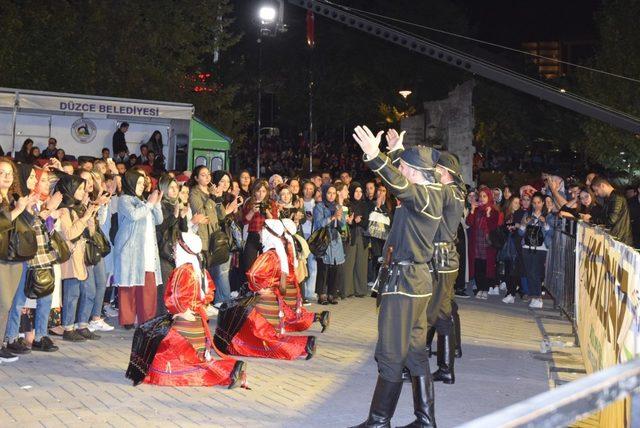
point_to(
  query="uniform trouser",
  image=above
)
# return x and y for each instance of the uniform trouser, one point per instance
(402, 327)
(440, 307)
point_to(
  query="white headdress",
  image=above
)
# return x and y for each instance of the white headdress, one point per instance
(271, 239)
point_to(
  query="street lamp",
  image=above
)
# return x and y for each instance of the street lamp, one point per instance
(405, 94)
(270, 23)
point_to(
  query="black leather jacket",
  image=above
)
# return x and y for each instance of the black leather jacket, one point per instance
(615, 216)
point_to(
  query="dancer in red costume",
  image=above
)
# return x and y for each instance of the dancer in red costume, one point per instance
(254, 326)
(184, 357)
(296, 317)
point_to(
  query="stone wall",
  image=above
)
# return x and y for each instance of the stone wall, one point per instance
(447, 124)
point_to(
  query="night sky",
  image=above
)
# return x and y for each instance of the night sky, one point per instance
(508, 21)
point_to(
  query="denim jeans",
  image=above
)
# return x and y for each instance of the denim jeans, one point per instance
(100, 278)
(310, 283)
(43, 307)
(220, 275)
(78, 298)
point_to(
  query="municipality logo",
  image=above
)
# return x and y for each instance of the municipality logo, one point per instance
(83, 130)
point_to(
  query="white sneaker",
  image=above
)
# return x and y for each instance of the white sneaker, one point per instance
(485, 294)
(99, 325)
(536, 303)
(494, 291)
(509, 299)
(479, 295)
(503, 286)
(211, 311)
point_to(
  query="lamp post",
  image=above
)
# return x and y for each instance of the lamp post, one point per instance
(270, 20)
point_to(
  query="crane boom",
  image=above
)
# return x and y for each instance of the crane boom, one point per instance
(476, 66)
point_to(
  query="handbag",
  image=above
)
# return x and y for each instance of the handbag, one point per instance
(319, 242)
(379, 225)
(497, 238)
(60, 246)
(96, 246)
(23, 244)
(39, 283)
(218, 248)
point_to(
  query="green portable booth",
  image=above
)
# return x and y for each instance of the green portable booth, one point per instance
(207, 146)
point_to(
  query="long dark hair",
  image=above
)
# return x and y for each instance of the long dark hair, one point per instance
(153, 140)
(194, 174)
(15, 188)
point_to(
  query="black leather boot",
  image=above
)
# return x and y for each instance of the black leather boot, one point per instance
(430, 333)
(311, 347)
(324, 318)
(237, 374)
(446, 359)
(458, 336)
(383, 404)
(423, 402)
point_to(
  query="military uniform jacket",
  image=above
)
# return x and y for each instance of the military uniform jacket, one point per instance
(446, 257)
(417, 218)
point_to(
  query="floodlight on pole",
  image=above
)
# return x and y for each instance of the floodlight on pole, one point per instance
(267, 14)
(404, 94)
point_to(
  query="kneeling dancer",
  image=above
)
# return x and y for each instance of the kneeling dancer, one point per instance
(176, 349)
(402, 319)
(255, 326)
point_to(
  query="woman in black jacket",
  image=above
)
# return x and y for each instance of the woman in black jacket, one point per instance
(174, 221)
(356, 247)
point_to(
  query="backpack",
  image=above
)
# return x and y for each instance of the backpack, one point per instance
(533, 235)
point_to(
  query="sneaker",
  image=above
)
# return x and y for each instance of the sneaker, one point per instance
(503, 286)
(536, 303)
(99, 325)
(87, 334)
(73, 336)
(306, 302)
(509, 299)
(485, 294)
(110, 311)
(6, 356)
(45, 345)
(211, 311)
(19, 347)
(462, 294)
(494, 291)
(56, 331)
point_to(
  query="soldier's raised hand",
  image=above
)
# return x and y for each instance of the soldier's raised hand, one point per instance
(368, 142)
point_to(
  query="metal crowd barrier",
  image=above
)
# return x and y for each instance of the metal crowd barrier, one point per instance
(560, 275)
(572, 401)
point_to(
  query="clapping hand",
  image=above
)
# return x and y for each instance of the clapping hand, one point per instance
(54, 201)
(394, 140)
(368, 142)
(154, 197)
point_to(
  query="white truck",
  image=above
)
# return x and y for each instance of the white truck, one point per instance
(83, 125)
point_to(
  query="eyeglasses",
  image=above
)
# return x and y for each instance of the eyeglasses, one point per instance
(6, 173)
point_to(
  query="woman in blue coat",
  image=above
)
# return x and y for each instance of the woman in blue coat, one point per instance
(136, 259)
(329, 214)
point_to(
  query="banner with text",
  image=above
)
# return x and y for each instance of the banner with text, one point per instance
(607, 291)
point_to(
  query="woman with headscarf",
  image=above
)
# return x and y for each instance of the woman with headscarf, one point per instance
(41, 215)
(255, 327)
(175, 219)
(483, 218)
(356, 251)
(137, 269)
(185, 357)
(75, 219)
(330, 215)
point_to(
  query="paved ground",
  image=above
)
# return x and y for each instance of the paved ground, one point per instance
(84, 384)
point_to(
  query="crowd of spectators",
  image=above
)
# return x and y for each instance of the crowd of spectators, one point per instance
(102, 232)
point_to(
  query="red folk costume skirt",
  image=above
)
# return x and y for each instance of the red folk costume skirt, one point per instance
(296, 317)
(180, 360)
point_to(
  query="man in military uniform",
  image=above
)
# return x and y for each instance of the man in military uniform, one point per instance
(442, 312)
(404, 297)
